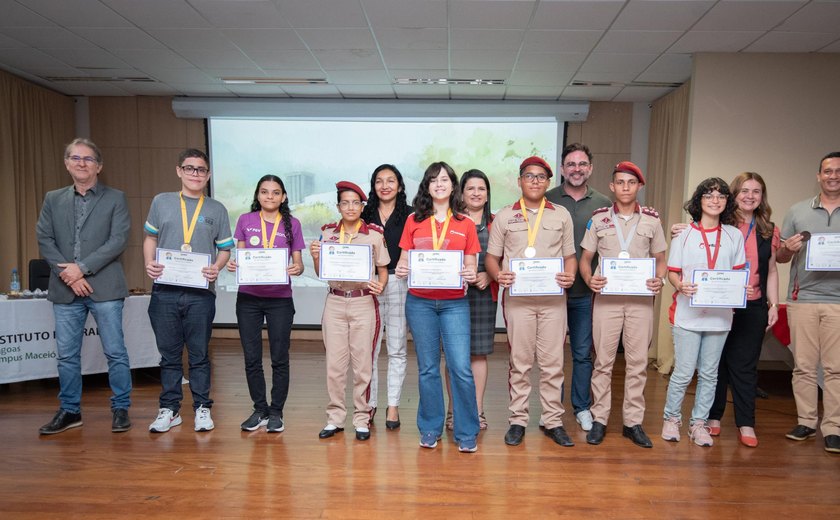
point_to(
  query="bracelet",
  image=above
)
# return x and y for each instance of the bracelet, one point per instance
(771, 305)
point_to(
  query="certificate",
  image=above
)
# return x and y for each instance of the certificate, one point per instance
(262, 266)
(725, 288)
(347, 262)
(823, 252)
(628, 276)
(535, 276)
(182, 268)
(435, 269)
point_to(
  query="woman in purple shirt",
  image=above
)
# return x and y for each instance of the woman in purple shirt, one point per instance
(269, 225)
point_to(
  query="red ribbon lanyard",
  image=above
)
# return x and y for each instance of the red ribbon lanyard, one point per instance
(711, 260)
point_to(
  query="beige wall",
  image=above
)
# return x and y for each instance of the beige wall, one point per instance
(140, 139)
(775, 114)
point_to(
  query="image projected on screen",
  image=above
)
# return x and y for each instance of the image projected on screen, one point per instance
(311, 156)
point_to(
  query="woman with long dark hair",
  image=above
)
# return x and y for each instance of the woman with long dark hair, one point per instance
(442, 316)
(269, 225)
(387, 208)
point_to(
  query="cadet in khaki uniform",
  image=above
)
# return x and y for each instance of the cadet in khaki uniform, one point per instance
(624, 230)
(536, 325)
(350, 323)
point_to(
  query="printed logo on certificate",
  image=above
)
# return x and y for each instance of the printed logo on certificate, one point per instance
(627, 276)
(345, 262)
(262, 266)
(723, 288)
(535, 276)
(823, 253)
(435, 269)
(182, 268)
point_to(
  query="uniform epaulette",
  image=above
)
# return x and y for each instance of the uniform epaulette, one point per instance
(332, 225)
(650, 212)
(605, 209)
(377, 227)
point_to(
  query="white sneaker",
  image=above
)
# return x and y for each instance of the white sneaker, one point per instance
(203, 421)
(584, 419)
(165, 420)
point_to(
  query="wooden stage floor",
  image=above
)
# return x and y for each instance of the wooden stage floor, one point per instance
(89, 472)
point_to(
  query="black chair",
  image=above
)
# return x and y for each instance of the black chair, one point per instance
(39, 274)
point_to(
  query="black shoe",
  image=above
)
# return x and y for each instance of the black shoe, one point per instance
(514, 435)
(120, 422)
(801, 433)
(254, 422)
(62, 421)
(558, 434)
(637, 435)
(327, 433)
(392, 425)
(275, 424)
(372, 415)
(362, 435)
(832, 443)
(596, 434)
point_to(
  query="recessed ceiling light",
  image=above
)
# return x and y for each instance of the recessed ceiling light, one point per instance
(273, 81)
(447, 81)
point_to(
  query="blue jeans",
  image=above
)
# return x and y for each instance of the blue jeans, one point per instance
(447, 321)
(183, 316)
(69, 331)
(694, 350)
(579, 311)
(278, 314)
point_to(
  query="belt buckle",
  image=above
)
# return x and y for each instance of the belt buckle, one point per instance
(348, 294)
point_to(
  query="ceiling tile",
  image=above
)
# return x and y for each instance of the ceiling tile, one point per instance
(575, 14)
(184, 76)
(778, 41)
(257, 90)
(419, 73)
(410, 59)
(27, 58)
(477, 91)
(715, 41)
(834, 47)
(561, 41)
(301, 60)
(323, 13)
(651, 42)
(236, 73)
(193, 39)
(423, 39)
(7, 42)
(591, 93)
(517, 92)
(16, 15)
(94, 58)
(567, 61)
(358, 77)
(479, 74)
(669, 67)
(232, 59)
(250, 14)
(259, 40)
(489, 14)
(487, 39)
(149, 89)
(661, 15)
(90, 88)
(176, 14)
(119, 38)
(482, 59)
(406, 13)
(312, 91)
(350, 59)
(746, 16)
(201, 89)
(605, 77)
(817, 17)
(605, 62)
(534, 78)
(334, 39)
(642, 94)
(77, 13)
(54, 38)
(367, 91)
(152, 58)
(422, 91)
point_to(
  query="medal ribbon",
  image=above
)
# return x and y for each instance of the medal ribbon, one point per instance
(350, 237)
(269, 244)
(619, 234)
(532, 233)
(711, 259)
(189, 230)
(437, 243)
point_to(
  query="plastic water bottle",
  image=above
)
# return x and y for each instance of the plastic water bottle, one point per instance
(14, 286)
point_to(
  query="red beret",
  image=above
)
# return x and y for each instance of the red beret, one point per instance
(632, 169)
(347, 185)
(539, 161)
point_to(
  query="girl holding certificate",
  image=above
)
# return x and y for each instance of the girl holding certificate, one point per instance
(709, 243)
(438, 315)
(482, 294)
(388, 209)
(349, 254)
(269, 225)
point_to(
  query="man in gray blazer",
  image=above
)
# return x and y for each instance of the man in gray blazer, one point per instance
(82, 231)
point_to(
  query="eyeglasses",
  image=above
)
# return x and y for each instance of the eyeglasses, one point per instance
(582, 165)
(199, 171)
(78, 159)
(714, 196)
(347, 204)
(531, 177)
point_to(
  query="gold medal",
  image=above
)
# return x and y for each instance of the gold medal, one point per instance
(189, 229)
(186, 248)
(531, 251)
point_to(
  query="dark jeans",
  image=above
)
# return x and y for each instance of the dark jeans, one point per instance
(579, 311)
(739, 363)
(277, 313)
(183, 316)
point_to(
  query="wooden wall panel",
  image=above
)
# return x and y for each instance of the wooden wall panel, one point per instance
(113, 121)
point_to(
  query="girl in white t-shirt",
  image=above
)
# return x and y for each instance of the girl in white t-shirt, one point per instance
(709, 243)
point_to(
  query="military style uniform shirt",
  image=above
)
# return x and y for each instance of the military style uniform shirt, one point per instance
(370, 234)
(509, 233)
(647, 239)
